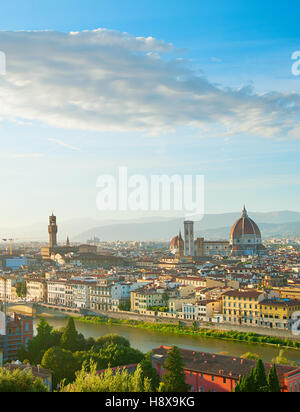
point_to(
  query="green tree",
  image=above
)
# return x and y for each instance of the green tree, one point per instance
(125, 307)
(259, 375)
(250, 356)
(282, 360)
(150, 372)
(69, 339)
(88, 380)
(62, 363)
(115, 339)
(254, 382)
(21, 289)
(273, 380)
(174, 380)
(20, 381)
(246, 384)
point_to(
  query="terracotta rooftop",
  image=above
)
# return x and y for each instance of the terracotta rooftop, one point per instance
(218, 365)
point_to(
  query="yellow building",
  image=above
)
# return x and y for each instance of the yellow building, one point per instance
(242, 307)
(142, 299)
(288, 292)
(277, 313)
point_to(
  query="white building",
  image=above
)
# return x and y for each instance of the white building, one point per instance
(56, 291)
(6, 288)
(36, 290)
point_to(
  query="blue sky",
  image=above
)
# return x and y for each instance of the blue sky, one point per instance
(246, 143)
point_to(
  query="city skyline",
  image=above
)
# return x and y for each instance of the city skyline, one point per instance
(70, 114)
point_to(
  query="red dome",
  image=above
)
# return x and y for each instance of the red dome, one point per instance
(176, 242)
(244, 226)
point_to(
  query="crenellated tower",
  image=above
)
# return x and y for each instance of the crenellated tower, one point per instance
(52, 229)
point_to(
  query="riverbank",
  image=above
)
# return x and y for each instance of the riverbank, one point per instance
(234, 336)
(146, 340)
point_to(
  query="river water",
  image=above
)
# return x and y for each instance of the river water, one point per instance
(145, 340)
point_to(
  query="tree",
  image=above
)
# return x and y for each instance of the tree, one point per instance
(20, 381)
(62, 363)
(174, 380)
(21, 289)
(273, 380)
(246, 383)
(69, 339)
(150, 372)
(106, 340)
(260, 378)
(256, 381)
(88, 380)
(125, 307)
(250, 356)
(137, 381)
(282, 360)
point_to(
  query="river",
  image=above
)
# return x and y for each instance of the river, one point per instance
(146, 340)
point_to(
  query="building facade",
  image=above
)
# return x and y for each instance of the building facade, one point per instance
(206, 372)
(19, 332)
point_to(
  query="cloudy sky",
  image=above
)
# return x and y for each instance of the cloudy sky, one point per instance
(157, 86)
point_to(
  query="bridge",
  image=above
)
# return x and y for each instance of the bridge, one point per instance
(33, 308)
(24, 308)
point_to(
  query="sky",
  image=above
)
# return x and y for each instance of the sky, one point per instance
(161, 87)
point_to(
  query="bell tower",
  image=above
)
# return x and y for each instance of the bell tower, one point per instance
(52, 229)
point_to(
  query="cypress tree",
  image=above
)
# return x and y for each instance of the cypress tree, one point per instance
(246, 384)
(174, 380)
(69, 339)
(273, 380)
(260, 379)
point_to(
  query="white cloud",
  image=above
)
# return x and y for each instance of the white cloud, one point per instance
(104, 80)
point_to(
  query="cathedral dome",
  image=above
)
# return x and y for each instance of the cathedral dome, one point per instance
(177, 244)
(245, 237)
(244, 226)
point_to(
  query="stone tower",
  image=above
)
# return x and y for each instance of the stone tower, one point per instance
(52, 229)
(189, 245)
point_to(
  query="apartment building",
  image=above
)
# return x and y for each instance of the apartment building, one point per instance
(7, 288)
(242, 307)
(80, 293)
(19, 332)
(279, 313)
(143, 299)
(101, 295)
(56, 292)
(36, 290)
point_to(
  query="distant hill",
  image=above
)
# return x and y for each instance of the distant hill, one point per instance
(212, 226)
(282, 230)
(273, 224)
